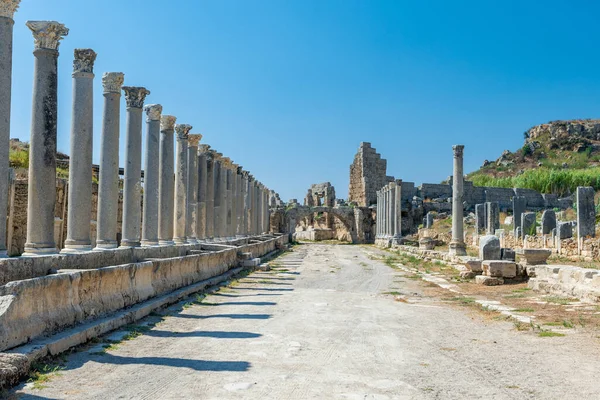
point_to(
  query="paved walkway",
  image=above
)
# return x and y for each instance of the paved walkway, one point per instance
(321, 327)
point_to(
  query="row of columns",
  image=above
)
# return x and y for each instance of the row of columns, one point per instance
(389, 211)
(194, 194)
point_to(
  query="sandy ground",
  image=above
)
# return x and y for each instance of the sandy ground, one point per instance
(322, 327)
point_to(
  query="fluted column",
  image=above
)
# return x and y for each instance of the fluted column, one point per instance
(7, 11)
(151, 176)
(251, 205)
(179, 227)
(239, 202)
(223, 209)
(228, 197)
(166, 191)
(378, 216)
(108, 184)
(191, 228)
(259, 209)
(210, 195)
(132, 185)
(42, 145)
(234, 200)
(457, 245)
(80, 163)
(201, 228)
(245, 203)
(267, 215)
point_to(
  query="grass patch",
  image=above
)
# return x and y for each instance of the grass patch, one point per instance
(523, 310)
(463, 300)
(41, 373)
(563, 301)
(550, 334)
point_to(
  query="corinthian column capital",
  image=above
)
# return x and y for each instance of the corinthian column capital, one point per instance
(458, 150)
(203, 148)
(8, 8)
(183, 130)
(84, 61)
(153, 112)
(112, 82)
(47, 34)
(194, 139)
(167, 122)
(135, 96)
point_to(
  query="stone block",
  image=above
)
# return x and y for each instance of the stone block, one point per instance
(586, 212)
(467, 274)
(499, 269)
(251, 263)
(489, 248)
(528, 223)
(474, 266)
(564, 230)
(492, 210)
(507, 254)
(488, 280)
(533, 256)
(548, 222)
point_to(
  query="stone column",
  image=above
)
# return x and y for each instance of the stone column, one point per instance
(266, 216)
(191, 228)
(224, 210)
(218, 195)
(166, 181)
(42, 146)
(397, 211)
(391, 209)
(384, 212)
(246, 203)
(234, 200)
(377, 216)
(183, 131)
(519, 207)
(80, 162)
(151, 176)
(258, 214)
(201, 227)
(457, 245)
(228, 198)
(240, 202)
(108, 184)
(7, 11)
(132, 182)
(210, 196)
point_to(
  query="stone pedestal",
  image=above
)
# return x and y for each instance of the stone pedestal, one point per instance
(7, 11)
(80, 161)
(166, 189)
(151, 176)
(457, 245)
(182, 131)
(192, 189)
(42, 145)
(108, 184)
(132, 182)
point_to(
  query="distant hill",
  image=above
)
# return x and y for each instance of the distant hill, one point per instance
(555, 158)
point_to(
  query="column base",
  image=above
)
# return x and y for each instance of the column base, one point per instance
(126, 243)
(149, 243)
(76, 249)
(397, 239)
(192, 241)
(106, 245)
(457, 249)
(181, 240)
(39, 251)
(166, 243)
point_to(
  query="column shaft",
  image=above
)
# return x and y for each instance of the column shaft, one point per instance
(210, 196)
(166, 181)
(202, 187)
(218, 198)
(150, 208)
(80, 162)
(181, 183)
(108, 184)
(457, 245)
(191, 227)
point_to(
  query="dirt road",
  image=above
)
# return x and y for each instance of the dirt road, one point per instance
(321, 327)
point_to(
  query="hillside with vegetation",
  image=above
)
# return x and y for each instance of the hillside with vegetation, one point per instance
(555, 158)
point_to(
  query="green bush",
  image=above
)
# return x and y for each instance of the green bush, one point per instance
(19, 158)
(545, 180)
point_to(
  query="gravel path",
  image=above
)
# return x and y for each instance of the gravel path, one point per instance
(322, 328)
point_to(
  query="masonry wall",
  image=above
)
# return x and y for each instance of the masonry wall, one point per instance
(367, 176)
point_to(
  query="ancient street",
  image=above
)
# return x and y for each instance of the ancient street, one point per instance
(322, 325)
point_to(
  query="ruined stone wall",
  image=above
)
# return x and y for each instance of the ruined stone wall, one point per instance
(367, 176)
(17, 215)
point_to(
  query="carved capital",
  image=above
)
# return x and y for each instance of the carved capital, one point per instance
(203, 149)
(218, 156)
(112, 82)
(240, 170)
(183, 130)
(47, 34)
(8, 8)
(84, 61)
(167, 122)
(135, 96)
(153, 112)
(194, 139)
(209, 156)
(458, 150)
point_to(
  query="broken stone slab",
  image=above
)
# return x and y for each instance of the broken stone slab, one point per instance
(548, 221)
(489, 248)
(252, 263)
(534, 256)
(488, 280)
(474, 266)
(427, 244)
(564, 230)
(499, 269)
(467, 274)
(12, 368)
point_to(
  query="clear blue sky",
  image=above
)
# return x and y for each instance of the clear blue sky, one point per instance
(289, 89)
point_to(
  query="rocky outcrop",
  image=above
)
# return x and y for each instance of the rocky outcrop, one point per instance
(586, 128)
